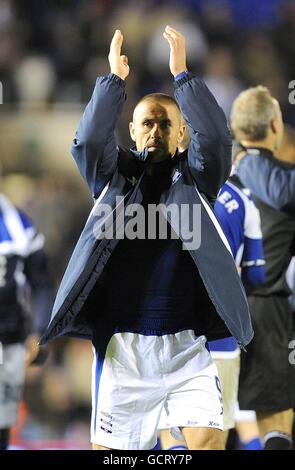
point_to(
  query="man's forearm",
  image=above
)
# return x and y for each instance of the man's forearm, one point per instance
(94, 147)
(102, 112)
(200, 109)
(209, 153)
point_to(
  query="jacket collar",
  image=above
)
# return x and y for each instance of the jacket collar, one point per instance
(131, 168)
(140, 155)
(266, 153)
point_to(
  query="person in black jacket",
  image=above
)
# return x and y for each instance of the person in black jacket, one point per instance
(267, 378)
(25, 303)
(275, 183)
(150, 292)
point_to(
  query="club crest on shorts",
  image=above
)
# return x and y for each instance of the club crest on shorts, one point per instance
(106, 422)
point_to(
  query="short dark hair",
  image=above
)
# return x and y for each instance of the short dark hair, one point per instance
(159, 97)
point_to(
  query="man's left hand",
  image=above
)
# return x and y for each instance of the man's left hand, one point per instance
(176, 40)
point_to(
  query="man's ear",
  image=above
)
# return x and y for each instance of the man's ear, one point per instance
(181, 133)
(183, 137)
(273, 126)
(132, 131)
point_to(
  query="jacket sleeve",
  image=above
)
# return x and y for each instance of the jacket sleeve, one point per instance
(209, 153)
(269, 181)
(94, 147)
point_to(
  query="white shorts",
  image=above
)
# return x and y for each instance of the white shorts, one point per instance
(140, 376)
(12, 376)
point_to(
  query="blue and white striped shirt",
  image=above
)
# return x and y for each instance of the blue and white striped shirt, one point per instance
(240, 221)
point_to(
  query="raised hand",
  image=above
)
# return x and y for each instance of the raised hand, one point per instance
(176, 40)
(118, 63)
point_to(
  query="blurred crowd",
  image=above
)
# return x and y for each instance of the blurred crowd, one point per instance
(50, 55)
(52, 51)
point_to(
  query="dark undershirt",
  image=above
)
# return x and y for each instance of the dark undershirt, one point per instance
(150, 284)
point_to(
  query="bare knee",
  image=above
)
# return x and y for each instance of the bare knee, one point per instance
(168, 441)
(203, 438)
(213, 441)
(98, 447)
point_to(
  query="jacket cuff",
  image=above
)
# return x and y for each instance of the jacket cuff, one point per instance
(181, 75)
(188, 76)
(115, 78)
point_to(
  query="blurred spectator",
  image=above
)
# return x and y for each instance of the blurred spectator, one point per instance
(25, 287)
(35, 79)
(220, 78)
(158, 50)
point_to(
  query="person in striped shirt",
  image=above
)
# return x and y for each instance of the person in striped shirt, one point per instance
(25, 305)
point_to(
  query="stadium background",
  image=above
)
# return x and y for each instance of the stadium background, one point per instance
(50, 54)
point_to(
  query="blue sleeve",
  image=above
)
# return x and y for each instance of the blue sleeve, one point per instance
(253, 262)
(253, 276)
(209, 152)
(26, 221)
(268, 181)
(94, 147)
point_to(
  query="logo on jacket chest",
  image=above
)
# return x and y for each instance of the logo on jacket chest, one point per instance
(176, 175)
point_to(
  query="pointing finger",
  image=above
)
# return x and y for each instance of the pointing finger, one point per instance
(116, 43)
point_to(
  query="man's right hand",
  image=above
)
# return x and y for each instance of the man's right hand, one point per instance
(118, 63)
